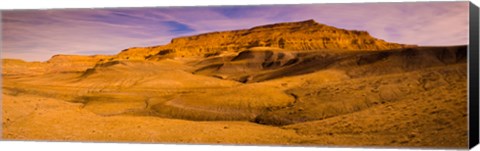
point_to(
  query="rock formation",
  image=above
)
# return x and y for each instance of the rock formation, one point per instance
(294, 36)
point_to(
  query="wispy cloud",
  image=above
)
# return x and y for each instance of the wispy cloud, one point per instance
(39, 34)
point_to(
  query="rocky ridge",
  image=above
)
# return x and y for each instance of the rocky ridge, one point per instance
(294, 36)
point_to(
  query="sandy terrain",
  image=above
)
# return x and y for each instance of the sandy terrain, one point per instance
(399, 97)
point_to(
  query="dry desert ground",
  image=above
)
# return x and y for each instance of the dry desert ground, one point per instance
(246, 87)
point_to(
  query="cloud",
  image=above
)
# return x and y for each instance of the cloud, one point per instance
(39, 34)
(178, 27)
(46, 33)
(423, 23)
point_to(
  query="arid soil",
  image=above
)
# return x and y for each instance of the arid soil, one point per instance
(368, 93)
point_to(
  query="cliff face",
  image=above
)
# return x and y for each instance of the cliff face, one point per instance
(304, 35)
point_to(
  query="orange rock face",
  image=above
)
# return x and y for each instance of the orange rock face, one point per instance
(295, 36)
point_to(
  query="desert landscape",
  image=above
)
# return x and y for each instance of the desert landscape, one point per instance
(294, 83)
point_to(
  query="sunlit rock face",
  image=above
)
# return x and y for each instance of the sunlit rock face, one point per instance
(294, 36)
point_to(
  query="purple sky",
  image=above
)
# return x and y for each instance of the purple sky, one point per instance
(36, 35)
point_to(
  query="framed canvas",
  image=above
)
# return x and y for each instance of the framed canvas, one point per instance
(374, 75)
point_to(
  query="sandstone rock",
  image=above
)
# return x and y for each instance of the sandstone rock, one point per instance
(294, 36)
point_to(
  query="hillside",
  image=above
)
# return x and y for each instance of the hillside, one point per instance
(56, 64)
(294, 36)
(246, 87)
